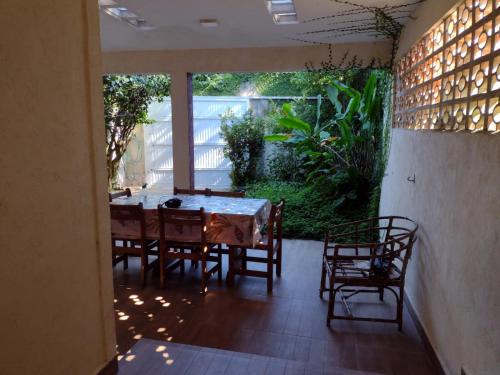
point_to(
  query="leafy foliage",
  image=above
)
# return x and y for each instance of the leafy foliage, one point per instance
(126, 101)
(309, 209)
(345, 144)
(221, 84)
(341, 158)
(244, 146)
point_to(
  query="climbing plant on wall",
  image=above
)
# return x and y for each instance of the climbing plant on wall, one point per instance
(379, 22)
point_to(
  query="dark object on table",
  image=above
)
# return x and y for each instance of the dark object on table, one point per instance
(173, 203)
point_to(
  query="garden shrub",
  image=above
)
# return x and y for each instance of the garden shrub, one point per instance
(244, 146)
(309, 210)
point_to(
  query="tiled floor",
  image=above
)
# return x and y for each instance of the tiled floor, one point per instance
(289, 325)
(153, 357)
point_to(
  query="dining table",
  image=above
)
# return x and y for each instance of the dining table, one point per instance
(229, 220)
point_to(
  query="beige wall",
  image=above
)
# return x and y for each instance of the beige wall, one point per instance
(454, 274)
(56, 313)
(237, 60)
(181, 62)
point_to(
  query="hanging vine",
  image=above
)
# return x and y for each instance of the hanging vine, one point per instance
(384, 22)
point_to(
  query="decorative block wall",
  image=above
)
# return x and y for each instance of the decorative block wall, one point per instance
(450, 79)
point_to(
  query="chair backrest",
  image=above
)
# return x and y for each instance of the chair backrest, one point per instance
(275, 221)
(179, 225)
(127, 221)
(206, 191)
(118, 194)
(233, 194)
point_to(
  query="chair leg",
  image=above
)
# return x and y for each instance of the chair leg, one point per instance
(219, 260)
(204, 276)
(144, 267)
(400, 309)
(244, 259)
(230, 271)
(182, 265)
(270, 271)
(162, 268)
(278, 262)
(381, 293)
(125, 256)
(331, 305)
(323, 280)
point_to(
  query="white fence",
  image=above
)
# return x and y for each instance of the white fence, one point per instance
(211, 168)
(150, 158)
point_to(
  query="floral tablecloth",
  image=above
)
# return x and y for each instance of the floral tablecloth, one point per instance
(232, 221)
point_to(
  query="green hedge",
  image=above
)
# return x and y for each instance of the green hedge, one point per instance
(309, 210)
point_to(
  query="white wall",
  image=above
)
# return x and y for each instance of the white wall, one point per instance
(149, 157)
(56, 309)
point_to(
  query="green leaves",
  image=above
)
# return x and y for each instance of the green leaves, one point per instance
(333, 95)
(295, 123)
(276, 137)
(126, 101)
(346, 141)
(288, 110)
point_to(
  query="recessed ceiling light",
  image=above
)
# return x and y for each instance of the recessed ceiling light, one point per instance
(120, 12)
(280, 6)
(111, 8)
(282, 11)
(209, 22)
(107, 3)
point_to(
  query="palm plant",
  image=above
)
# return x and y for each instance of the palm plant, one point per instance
(343, 148)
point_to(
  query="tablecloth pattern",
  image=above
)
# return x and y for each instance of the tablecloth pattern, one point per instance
(232, 221)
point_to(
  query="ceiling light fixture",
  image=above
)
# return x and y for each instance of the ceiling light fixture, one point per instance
(282, 11)
(280, 6)
(111, 8)
(209, 22)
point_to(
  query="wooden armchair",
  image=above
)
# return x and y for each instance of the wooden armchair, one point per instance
(174, 245)
(373, 266)
(128, 237)
(118, 194)
(272, 244)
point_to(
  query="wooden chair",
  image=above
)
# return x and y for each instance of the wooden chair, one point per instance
(118, 194)
(373, 266)
(209, 192)
(272, 244)
(230, 194)
(206, 191)
(128, 228)
(173, 246)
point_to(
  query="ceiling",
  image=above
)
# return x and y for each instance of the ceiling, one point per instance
(242, 24)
